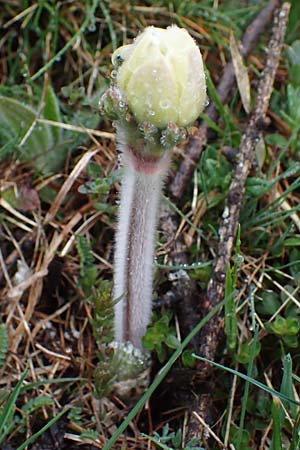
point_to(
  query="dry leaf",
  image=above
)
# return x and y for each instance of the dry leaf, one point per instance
(241, 73)
(260, 151)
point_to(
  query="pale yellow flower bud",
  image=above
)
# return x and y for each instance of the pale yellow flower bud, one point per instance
(161, 76)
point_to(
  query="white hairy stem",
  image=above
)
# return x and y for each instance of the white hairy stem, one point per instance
(135, 242)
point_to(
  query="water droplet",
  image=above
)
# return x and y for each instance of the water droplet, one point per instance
(206, 103)
(92, 27)
(151, 112)
(165, 104)
(114, 74)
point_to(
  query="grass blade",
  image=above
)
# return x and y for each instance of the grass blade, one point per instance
(246, 390)
(250, 380)
(9, 407)
(276, 443)
(287, 384)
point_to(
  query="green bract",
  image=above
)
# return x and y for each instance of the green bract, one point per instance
(161, 76)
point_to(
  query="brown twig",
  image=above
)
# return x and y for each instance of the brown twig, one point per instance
(230, 219)
(198, 141)
(209, 336)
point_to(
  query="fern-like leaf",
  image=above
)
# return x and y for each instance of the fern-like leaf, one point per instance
(88, 270)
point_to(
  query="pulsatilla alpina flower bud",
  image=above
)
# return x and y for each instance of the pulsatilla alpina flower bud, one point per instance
(161, 76)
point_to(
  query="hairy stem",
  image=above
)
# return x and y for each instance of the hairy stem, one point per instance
(135, 242)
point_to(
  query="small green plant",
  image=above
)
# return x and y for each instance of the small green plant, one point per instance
(98, 187)
(102, 304)
(160, 337)
(287, 328)
(169, 440)
(88, 269)
(75, 415)
(102, 325)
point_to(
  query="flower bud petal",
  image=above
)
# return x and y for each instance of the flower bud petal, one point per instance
(195, 88)
(162, 77)
(152, 94)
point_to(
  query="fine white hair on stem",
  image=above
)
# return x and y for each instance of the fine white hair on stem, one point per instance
(135, 242)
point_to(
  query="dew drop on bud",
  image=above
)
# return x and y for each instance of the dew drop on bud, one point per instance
(114, 74)
(164, 104)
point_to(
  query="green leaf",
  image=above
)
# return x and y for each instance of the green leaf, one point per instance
(295, 442)
(252, 355)
(293, 94)
(286, 387)
(177, 439)
(291, 341)
(292, 241)
(36, 403)
(288, 327)
(88, 269)
(51, 111)
(187, 359)
(90, 435)
(294, 256)
(230, 314)
(9, 408)
(293, 53)
(244, 355)
(239, 438)
(268, 304)
(276, 140)
(161, 352)
(276, 443)
(257, 186)
(36, 140)
(172, 341)
(3, 344)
